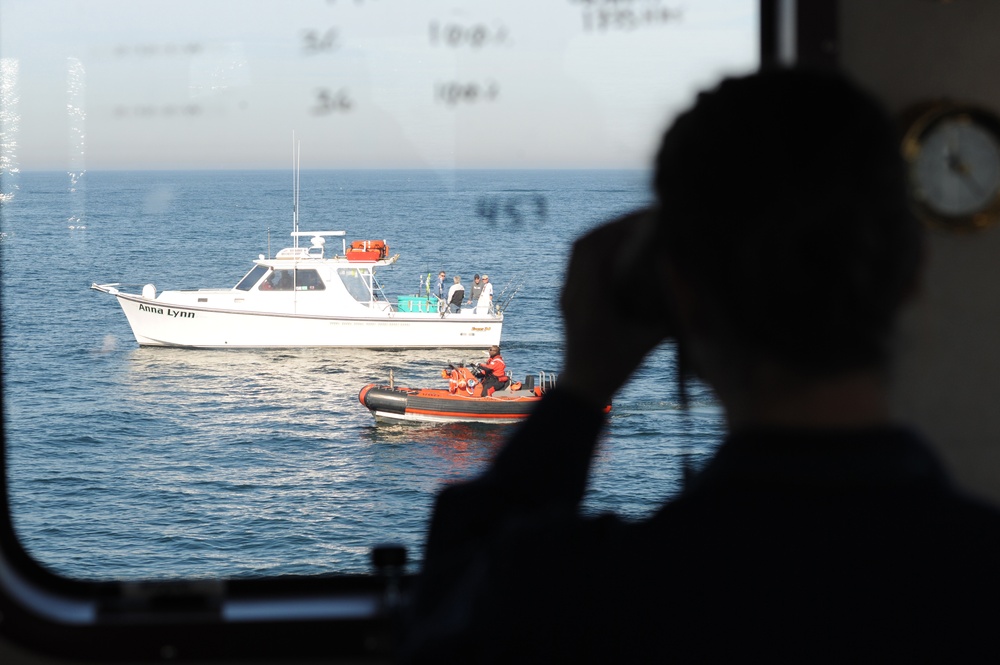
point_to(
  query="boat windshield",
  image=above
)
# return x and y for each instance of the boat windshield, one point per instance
(298, 280)
(251, 278)
(358, 282)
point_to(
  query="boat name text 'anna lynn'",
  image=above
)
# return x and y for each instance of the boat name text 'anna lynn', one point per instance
(169, 312)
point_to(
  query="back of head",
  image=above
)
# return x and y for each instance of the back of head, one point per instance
(783, 201)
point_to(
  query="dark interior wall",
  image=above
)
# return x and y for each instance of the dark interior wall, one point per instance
(909, 52)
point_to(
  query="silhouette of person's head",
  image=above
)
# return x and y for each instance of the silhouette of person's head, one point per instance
(783, 206)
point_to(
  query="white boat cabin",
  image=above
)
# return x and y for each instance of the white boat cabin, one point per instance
(314, 278)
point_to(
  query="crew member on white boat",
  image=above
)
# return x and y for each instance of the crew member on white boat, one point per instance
(285, 281)
(271, 283)
(439, 289)
(485, 303)
(477, 288)
(455, 295)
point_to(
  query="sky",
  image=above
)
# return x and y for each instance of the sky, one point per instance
(220, 84)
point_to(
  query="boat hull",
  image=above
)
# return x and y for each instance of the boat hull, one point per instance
(158, 323)
(437, 406)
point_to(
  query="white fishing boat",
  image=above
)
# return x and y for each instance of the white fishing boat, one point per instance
(304, 298)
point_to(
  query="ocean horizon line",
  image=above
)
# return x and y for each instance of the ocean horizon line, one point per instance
(581, 169)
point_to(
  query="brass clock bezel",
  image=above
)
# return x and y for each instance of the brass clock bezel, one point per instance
(919, 123)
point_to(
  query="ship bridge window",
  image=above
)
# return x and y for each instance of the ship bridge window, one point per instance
(251, 278)
(154, 138)
(358, 282)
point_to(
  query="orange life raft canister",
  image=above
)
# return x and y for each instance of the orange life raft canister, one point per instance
(367, 250)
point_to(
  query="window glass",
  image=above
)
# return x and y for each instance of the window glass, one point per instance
(308, 280)
(358, 283)
(252, 277)
(289, 280)
(149, 145)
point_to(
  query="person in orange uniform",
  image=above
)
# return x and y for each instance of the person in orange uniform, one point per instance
(496, 372)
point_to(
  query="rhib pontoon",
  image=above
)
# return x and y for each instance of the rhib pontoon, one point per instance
(302, 297)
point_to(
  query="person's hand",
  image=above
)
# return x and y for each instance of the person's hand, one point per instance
(607, 339)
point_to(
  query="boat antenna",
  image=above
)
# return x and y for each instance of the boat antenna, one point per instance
(296, 161)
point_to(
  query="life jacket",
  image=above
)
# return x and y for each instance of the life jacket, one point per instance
(497, 367)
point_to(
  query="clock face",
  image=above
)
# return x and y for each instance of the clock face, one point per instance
(953, 153)
(957, 171)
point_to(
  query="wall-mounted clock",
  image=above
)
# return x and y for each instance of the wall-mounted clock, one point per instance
(953, 154)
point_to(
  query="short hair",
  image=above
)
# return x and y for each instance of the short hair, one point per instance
(783, 198)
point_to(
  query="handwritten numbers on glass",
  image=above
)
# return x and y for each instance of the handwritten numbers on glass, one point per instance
(331, 101)
(453, 93)
(513, 210)
(625, 15)
(456, 36)
(319, 41)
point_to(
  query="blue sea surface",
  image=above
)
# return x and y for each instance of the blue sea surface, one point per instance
(158, 463)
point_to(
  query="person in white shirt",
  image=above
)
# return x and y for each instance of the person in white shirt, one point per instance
(455, 295)
(485, 303)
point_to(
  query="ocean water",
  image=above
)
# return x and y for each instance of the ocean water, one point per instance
(144, 463)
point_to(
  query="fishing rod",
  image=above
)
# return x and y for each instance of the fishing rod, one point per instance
(514, 285)
(519, 278)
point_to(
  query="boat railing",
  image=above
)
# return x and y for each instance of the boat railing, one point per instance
(378, 294)
(309, 234)
(318, 237)
(546, 381)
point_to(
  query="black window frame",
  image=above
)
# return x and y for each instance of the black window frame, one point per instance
(282, 619)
